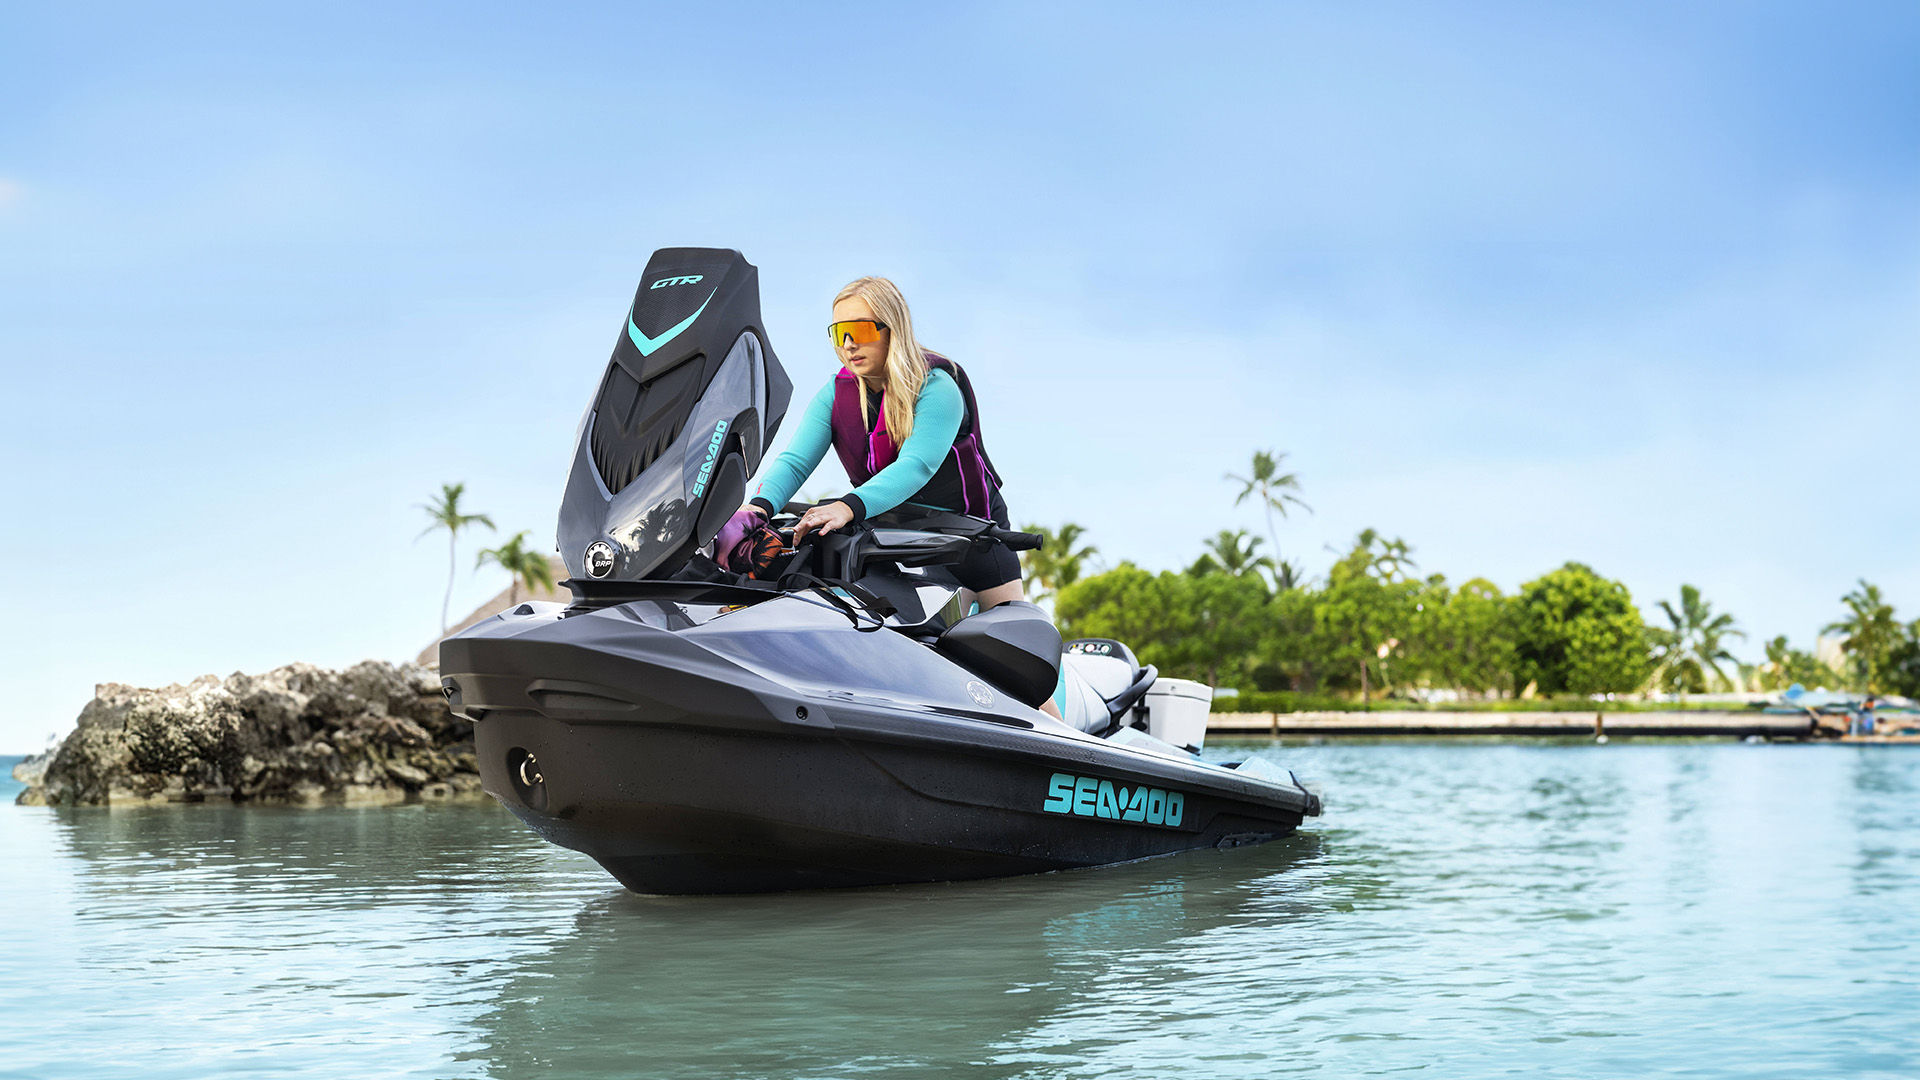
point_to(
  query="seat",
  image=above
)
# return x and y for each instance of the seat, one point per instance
(1103, 684)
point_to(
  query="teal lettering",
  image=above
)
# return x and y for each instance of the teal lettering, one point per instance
(1085, 791)
(713, 452)
(1092, 797)
(1059, 795)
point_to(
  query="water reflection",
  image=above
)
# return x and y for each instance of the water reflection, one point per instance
(911, 980)
(321, 942)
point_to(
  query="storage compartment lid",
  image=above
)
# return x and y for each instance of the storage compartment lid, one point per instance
(1186, 688)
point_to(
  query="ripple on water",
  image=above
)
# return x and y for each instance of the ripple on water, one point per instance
(1464, 910)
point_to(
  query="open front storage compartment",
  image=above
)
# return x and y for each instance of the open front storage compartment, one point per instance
(1177, 711)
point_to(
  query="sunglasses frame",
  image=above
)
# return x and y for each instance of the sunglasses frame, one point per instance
(877, 325)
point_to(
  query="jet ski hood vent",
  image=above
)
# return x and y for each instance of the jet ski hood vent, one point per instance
(689, 401)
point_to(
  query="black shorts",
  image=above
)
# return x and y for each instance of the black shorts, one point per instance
(990, 565)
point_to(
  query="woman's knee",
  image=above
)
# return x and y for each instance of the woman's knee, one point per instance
(1000, 594)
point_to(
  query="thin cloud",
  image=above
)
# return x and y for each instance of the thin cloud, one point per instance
(12, 193)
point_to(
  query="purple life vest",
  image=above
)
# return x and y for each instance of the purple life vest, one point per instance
(865, 453)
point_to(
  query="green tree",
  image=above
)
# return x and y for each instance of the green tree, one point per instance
(1190, 627)
(1424, 655)
(1275, 489)
(1480, 620)
(1691, 645)
(1580, 633)
(528, 568)
(1291, 651)
(445, 512)
(1787, 665)
(1057, 563)
(1126, 603)
(1872, 634)
(1234, 553)
(1362, 617)
(1902, 671)
(1226, 618)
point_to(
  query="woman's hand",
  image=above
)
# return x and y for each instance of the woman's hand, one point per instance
(730, 546)
(823, 519)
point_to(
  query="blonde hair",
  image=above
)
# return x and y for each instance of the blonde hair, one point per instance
(906, 357)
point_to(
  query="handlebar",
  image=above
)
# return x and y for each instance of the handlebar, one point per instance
(1014, 539)
(1017, 541)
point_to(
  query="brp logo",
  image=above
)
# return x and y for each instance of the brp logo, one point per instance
(980, 692)
(666, 281)
(599, 559)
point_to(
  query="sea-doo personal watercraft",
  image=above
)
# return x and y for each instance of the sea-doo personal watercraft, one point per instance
(837, 719)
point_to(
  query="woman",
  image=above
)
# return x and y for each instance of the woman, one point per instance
(902, 421)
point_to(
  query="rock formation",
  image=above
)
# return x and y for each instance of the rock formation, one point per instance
(374, 733)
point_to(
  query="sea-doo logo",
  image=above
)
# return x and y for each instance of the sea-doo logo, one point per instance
(1090, 796)
(599, 559)
(980, 692)
(713, 454)
(666, 281)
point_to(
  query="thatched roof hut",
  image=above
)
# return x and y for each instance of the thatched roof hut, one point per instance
(506, 598)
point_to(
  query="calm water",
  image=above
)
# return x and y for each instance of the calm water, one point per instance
(1465, 910)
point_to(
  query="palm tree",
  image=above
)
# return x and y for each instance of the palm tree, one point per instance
(1692, 644)
(1275, 489)
(1233, 552)
(1288, 574)
(1395, 559)
(1388, 558)
(1775, 674)
(1871, 631)
(529, 568)
(1057, 564)
(445, 512)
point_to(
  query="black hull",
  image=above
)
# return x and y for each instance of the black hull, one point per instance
(680, 810)
(683, 763)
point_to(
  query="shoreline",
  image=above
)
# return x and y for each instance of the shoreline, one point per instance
(1744, 723)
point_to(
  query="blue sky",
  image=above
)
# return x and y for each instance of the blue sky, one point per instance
(1623, 284)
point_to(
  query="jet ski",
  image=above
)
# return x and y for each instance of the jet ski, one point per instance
(839, 717)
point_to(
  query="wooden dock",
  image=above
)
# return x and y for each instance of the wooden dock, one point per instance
(1666, 724)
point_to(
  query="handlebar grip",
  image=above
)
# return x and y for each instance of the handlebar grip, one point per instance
(1018, 541)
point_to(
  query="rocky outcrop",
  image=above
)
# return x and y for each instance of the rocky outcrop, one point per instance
(28, 770)
(376, 732)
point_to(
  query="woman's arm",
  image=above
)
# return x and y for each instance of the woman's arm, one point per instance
(937, 413)
(810, 441)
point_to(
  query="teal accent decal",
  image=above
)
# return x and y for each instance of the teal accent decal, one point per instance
(713, 451)
(1090, 796)
(647, 345)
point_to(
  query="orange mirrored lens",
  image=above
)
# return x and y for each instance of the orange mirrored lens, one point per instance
(862, 331)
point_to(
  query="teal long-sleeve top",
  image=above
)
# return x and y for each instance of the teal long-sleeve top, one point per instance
(937, 414)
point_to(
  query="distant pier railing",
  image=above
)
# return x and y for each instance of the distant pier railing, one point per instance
(1669, 724)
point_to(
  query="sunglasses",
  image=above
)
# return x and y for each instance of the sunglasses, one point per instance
(859, 331)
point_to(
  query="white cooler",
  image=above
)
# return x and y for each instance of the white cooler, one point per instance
(1177, 711)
